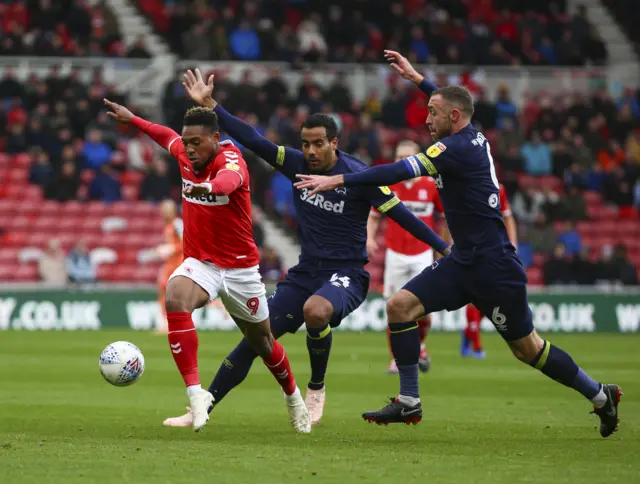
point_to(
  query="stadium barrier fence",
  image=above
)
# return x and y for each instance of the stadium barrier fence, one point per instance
(136, 308)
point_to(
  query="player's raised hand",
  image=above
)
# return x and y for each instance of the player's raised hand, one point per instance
(319, 183)
(402, 66)
(197, 89)
(197, 189)
(118, 112)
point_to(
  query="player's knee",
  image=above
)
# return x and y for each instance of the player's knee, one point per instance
(402, 307)
(175, 303)
(519, 355)
(526, 349)
(317, 312)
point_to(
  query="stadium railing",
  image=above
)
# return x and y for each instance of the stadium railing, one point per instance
(124, 306)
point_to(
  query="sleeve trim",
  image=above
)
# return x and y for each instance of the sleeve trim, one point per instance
(280, 155)
(426, 162)
(388, 205)
(171, 142)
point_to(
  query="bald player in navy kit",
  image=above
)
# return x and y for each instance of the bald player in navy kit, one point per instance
(483, 267)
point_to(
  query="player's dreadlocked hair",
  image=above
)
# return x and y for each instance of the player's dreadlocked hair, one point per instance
(322, 121)
(199, 116)
(459, 96)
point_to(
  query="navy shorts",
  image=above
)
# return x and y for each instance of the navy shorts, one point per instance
(497, 286)
(346, 289)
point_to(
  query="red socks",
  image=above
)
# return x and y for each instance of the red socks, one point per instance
(279, 366)
(474, 316)
(183, 342)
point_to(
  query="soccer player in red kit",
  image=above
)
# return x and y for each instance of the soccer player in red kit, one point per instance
(220, 257)
(471, 344)
(406, 256)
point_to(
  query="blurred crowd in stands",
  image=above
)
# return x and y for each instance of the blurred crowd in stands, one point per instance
(496, 32)
(56, 267)
(63, 28)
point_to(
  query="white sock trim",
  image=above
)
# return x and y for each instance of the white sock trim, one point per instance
(193, 389)
(411, 401)
(600, 399)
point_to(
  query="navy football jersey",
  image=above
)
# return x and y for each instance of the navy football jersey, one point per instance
(333, 225)
(463, 169)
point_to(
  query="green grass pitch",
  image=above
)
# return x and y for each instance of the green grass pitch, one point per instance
(492, 421)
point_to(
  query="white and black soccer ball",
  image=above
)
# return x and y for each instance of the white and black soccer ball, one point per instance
(121, 363)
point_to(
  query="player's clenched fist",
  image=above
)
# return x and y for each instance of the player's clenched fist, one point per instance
(118, 112)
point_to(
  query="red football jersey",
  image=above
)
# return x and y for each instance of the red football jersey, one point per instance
(505, 208)
(217, 229)
(421, 197)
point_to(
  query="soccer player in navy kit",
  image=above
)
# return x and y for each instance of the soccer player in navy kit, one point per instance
(483, 267)
(329, 281)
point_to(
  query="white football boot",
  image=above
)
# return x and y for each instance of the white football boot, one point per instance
(298, 413)
(185, 420)
(200, 403)
(315, 404)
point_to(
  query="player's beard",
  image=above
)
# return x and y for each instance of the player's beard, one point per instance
(448, 131)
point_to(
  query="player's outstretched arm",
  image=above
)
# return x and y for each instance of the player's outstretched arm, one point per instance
(402, 66)
(380, 175)
(158, 133)
(201, 93)
(416, 227)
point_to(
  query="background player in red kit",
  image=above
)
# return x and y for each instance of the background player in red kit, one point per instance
(471, 344)
(221, 257)
(406, 256)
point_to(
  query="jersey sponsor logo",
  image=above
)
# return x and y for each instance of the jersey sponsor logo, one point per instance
(420, 209)
(385, 190)
(318, 200)
(493, 200)
(436, 150)
(426, 162)
(209, 199)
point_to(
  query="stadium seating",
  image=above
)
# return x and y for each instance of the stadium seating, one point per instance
(29, 221)
(448, 32)
(59, 28)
